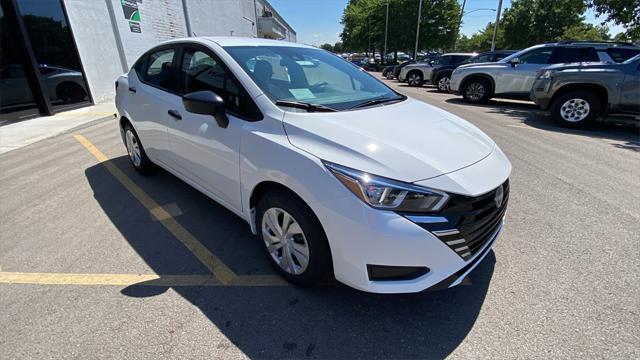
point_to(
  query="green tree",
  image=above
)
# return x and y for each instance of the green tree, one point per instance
(481, 40)
(364, 24)
(337, 47)
(529, 22)
(327, 47)
(620, 12)
(585, 31)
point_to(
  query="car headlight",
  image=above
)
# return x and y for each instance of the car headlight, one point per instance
(546, 74)
(387, 194)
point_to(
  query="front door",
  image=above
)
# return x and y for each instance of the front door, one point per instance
(630, 89)
(203, 151)
(518, 79)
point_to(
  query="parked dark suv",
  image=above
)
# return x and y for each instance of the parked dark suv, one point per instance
(580, 93)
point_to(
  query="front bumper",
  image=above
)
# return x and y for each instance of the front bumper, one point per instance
(454, 83)
(360, 236)
(541, 93)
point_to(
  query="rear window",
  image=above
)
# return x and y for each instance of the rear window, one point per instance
(620, 55)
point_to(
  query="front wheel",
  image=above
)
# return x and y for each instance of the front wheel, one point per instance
(414, 79)
(476, 91)
(575, 109)
(442, 83)
(389, 75)
(293, 239)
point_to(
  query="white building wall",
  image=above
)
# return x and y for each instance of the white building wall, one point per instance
(97, 47)
(221, 17)
(108, 47)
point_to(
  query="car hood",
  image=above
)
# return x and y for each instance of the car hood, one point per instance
(407, 141)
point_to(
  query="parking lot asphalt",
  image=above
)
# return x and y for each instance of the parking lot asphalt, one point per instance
(97, 261)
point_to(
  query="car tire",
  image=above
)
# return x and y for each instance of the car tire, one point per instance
(414, 78)
(287, 254)
(389, 75)
(442, 82)
(476, 91)
(575, 108)
(135, 151)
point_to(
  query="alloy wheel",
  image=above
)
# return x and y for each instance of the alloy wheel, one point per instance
(133, 148)
(575, 110)
(443, 83)
(413, 79)
(285, 241)
(475, 91)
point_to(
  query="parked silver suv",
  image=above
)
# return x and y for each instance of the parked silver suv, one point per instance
(513, 76)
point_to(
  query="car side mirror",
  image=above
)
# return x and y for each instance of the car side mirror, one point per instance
(206, 103)
(514, 62)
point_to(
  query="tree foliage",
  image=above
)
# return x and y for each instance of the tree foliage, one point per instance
(620, 12)
(327, 47)
(529, 22)
(364, 24)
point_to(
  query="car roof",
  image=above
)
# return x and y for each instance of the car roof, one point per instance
(246, 41)
(459, 54)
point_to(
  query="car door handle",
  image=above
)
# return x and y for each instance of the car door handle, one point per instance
(175, 114)
(132, 89)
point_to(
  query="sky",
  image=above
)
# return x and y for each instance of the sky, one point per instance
(318, 21)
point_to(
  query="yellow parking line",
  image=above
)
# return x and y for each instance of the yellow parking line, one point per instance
(134, 279)
(219, 270)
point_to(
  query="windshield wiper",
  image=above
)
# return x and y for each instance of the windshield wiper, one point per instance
(378, 101)
(306, 106)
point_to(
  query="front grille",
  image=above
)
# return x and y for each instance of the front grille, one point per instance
(466, 223)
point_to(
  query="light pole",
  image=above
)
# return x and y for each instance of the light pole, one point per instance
(495, 28)
(415, 53)
(386, 26)
(462, 13)
(455, 41)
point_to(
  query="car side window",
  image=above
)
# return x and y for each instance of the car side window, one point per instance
(537, 56)
(482, 58)
(622, 54)
(202, 72)
(458, 59)
(159, 70)
(573, 54)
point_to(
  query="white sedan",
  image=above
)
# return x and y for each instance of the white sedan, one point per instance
(336, 173)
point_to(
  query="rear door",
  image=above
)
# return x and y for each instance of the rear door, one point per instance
(153, 91)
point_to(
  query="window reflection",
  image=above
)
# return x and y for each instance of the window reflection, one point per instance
(55, 52)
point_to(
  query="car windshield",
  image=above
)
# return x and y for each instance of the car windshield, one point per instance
(314, 76)
(517, 54)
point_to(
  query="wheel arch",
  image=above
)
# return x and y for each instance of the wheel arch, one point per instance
(489, 79)
(600, 91)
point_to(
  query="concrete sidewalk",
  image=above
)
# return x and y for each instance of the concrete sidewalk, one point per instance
(23, 133)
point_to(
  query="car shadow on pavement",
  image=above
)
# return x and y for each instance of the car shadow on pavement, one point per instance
(530, 114)
(332, 321)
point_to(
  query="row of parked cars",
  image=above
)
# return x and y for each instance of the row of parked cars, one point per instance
(579, 82)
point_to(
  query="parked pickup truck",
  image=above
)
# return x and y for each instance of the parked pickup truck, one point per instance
(579, 93)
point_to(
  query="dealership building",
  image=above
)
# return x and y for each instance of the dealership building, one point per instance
(59, 55)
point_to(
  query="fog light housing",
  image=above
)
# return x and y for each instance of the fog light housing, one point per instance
(395, 273)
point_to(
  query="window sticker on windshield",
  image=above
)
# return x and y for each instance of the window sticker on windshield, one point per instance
(302, 94)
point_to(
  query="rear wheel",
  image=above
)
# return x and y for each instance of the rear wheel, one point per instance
(575, 108)
(389, 75)
(414, 78)
(135, 150)
(476, 91)
(293, 239)
(442, 82)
